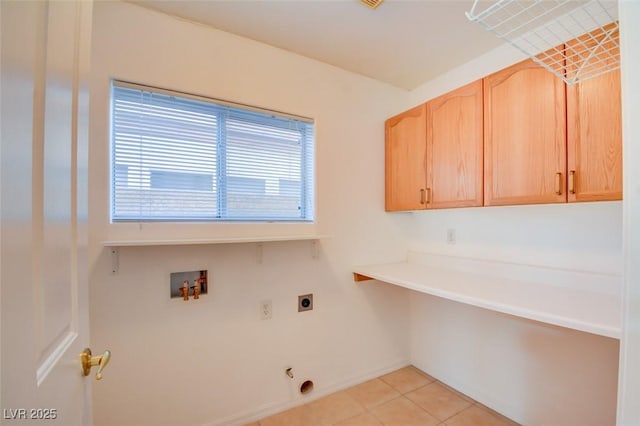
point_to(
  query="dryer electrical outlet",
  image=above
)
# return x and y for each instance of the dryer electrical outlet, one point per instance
(305, 302)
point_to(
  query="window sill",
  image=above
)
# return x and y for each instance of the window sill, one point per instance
(200, 241)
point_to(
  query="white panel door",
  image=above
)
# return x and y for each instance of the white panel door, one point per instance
(45, 50)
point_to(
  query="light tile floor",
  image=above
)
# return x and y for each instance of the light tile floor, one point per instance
(406, 397)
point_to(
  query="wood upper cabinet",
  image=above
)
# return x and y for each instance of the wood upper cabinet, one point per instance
(405, 160)
(594, 138)
(454, 148)
(519, 136)
(524, 136)
(434, 153)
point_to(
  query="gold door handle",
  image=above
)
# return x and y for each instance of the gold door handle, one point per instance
(428, 195)
(423, 197)
(559, 183)
(572, 182)
(89, 361)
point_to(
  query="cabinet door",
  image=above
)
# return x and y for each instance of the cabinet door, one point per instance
(405, 158)
(525, 151)
(454, 148)
(594, 138)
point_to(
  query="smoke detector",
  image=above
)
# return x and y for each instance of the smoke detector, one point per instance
(371, 3)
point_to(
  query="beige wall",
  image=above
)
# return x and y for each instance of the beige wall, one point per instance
(215, 361)
(534, 373)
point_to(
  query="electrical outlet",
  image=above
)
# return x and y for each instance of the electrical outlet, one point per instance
(451, 236)
(305, 302)
(266, 311)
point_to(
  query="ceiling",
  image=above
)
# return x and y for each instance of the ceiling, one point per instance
(403, 42)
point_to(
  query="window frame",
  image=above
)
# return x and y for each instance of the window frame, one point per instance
(307, 162)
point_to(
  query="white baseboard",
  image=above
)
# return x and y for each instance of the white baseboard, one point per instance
(271, 408)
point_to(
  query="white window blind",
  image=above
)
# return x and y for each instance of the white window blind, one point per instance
(178, 157)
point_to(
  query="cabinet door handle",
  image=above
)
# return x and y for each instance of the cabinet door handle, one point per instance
(559, 183)
(572, 182)
(423, 197)
(428, 195)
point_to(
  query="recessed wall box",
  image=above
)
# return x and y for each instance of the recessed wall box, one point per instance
(189, 284)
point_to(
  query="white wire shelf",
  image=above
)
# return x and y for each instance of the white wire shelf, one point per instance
(575, 40)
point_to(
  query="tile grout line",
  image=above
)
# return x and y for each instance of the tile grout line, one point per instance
(407, 376)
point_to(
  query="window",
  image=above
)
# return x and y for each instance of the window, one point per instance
(179, 157)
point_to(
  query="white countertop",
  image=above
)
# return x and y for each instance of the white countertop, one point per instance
(564, 303)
